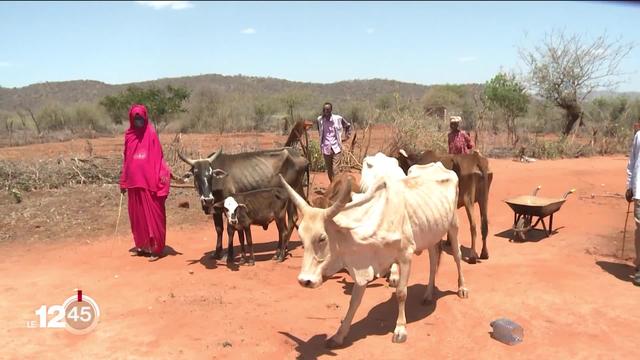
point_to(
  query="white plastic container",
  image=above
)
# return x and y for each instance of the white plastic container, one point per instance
(506, 331)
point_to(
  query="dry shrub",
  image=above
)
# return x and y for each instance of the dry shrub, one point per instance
(613, 141)
(316, 160)
(414, 132)
(574, 147)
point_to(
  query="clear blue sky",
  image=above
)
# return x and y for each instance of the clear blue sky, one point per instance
(421, 42)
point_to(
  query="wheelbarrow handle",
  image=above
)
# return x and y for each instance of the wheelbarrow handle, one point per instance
(535, 192)
(568, 193)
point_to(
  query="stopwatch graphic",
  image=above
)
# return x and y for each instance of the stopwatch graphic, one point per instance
(79, 315)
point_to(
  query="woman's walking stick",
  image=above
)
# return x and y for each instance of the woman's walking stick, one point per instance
(115, 233)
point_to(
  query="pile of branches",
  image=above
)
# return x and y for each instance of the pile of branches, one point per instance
(179, 167)
(57, 173)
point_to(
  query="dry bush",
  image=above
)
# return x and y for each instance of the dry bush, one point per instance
(316, 160)
(414, 132)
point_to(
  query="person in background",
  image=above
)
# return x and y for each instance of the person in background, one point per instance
(459, 141)
(330, 128)
(632, 194)
(146, 178)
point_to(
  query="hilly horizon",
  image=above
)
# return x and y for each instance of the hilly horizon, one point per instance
(75, 91)
(69, 92)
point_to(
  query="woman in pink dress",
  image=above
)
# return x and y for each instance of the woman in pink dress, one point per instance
(146, 177)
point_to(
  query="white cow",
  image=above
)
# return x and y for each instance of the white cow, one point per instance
(387, 225)
(379, 166)
(376, 168)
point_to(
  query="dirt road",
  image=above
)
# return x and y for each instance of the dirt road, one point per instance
(573, 298)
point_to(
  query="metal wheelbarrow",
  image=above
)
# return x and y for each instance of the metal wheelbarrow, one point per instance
(525, 207)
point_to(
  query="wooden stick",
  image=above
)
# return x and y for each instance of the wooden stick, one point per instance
(624, 234)
(115, 233)
(82, 179)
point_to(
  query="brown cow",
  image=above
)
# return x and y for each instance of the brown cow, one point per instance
(332, 194)
(474, 183)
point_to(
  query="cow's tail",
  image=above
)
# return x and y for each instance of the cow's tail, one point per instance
(438, 255)
(308, 171)
(484, 201)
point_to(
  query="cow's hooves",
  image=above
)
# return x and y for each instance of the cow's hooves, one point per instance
(427, 301)
(463, 292)
(393, 281)
(399, 335)
(473, 260)
(484, 255)
(333, 344)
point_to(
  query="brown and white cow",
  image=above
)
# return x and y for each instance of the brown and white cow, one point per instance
(388, 224)
(257, 207)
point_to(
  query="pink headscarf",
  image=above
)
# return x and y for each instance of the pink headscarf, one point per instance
(144, 165)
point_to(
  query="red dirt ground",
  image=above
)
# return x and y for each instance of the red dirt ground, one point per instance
(570, 292)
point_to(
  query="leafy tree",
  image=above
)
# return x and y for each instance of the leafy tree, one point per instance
(161, 103)
(565, 69)
(505, 93)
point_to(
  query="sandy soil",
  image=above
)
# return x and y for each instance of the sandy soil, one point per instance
(570, 292)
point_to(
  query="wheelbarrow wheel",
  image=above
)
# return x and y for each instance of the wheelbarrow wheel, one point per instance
(522, 226)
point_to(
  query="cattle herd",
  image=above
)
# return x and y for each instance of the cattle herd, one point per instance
(402, 206)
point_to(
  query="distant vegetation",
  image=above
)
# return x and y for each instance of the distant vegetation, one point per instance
(162, 103)
(517, 114)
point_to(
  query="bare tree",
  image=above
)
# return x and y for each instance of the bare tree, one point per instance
(36, 122)
(565, 69)
(8, 125)
(291, 101)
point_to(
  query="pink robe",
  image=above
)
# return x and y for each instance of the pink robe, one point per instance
(146, 176)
